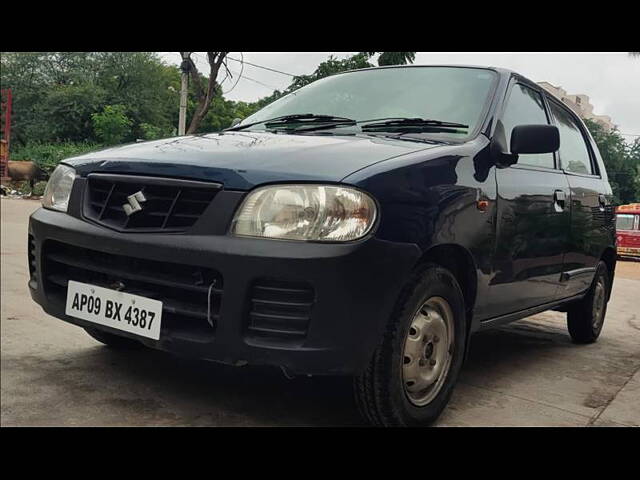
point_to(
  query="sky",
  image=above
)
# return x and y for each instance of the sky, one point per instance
(611, 80)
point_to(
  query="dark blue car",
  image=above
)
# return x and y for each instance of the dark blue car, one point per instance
(364, 225)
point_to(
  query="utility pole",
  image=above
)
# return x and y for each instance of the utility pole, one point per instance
(185, 66)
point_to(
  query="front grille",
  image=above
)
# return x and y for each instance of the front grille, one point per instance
(280, 310)
(184, 290)
(167, 205)
(32, 258)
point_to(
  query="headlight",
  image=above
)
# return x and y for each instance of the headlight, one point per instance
(56, 195)
(323, 213)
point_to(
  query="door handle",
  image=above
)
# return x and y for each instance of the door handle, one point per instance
(602, 199)
(559, 196)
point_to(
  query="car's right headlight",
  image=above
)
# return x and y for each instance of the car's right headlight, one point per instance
(317, 213)
(56, 195)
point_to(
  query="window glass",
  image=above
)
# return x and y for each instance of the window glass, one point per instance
(624, 222)
(525, 107)
(442, 93)
(574, 155)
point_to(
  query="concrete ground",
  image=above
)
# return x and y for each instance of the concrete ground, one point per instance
(527, 373)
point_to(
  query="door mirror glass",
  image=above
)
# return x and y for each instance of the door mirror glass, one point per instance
(527, 139)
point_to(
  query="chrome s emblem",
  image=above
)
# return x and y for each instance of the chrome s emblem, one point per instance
(134, 203)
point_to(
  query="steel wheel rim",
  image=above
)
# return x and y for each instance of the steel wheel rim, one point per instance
(427, 352)
(599, 295)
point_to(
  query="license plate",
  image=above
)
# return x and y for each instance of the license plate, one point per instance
(119, 310)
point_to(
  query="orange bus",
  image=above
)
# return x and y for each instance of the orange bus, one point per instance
(628, 229)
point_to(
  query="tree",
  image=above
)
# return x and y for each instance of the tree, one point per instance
(621, 160)
(333, 65)
(55, 93)
(111, 125)
(204, 96)
(394, 58)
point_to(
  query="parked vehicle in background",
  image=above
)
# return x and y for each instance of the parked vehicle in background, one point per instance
(628, 230)
(365, 225)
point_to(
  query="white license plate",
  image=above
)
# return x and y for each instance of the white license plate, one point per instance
(119, 310)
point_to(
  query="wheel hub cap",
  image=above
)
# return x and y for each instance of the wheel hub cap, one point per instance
(427, 351)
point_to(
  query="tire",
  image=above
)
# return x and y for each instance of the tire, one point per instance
(114, 341)
(586, 317)
(384, 392)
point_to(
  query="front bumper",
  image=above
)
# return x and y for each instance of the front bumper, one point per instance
(354, 289)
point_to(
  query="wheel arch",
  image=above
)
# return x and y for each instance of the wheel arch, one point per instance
(609, 258)
(459, 261)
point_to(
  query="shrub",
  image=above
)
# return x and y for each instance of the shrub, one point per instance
(111, 125)
(48, 155)
(151, 132)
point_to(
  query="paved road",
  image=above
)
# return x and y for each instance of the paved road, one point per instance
(527, 373)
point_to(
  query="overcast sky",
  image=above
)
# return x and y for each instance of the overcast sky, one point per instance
(611, 80)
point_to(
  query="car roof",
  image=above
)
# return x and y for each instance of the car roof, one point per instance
(500, 70)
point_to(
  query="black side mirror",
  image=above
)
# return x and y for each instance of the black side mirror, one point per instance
(534, 139)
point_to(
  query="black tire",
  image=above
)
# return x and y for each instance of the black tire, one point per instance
(586, 317)
(114, 341)
(380, 390)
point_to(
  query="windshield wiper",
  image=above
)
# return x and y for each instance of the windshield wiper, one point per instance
(411, 123)
(298, 118)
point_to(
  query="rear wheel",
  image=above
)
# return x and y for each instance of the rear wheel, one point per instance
(586, 318)
(411, 375)
(114, 341)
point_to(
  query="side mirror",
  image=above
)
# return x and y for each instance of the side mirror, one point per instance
(534, 139)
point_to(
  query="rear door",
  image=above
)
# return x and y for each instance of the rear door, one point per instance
(591, 207)
(532, 216)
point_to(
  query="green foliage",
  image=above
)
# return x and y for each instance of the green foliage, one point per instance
(333, 66)
(621, 160)
(55, 93)
(111, 125)
(48, 155)
(394, 58)
(151, 132)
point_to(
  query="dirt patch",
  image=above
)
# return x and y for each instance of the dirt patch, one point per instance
(628, 269)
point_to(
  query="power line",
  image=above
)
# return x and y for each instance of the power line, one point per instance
(260, 66)
(241, 75)
(260, 83)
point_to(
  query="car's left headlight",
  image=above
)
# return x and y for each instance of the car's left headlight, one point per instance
(58, 190)
(321, 213)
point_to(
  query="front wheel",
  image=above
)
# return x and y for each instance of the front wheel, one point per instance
(586, 318)
(411, 375)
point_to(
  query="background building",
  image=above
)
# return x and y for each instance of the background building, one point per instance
(579, 104)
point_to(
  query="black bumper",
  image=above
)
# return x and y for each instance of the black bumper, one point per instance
(354, 289)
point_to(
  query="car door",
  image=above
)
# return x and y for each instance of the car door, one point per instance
(591, 202)
(532, 215)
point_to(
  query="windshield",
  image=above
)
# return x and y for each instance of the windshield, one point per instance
(624, 222)
(450, 94)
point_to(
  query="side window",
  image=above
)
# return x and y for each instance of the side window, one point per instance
(525, 107)
(574, 154)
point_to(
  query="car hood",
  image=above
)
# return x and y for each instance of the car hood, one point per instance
(241, 160)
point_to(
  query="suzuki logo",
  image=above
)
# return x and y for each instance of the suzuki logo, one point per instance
(134, 203)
